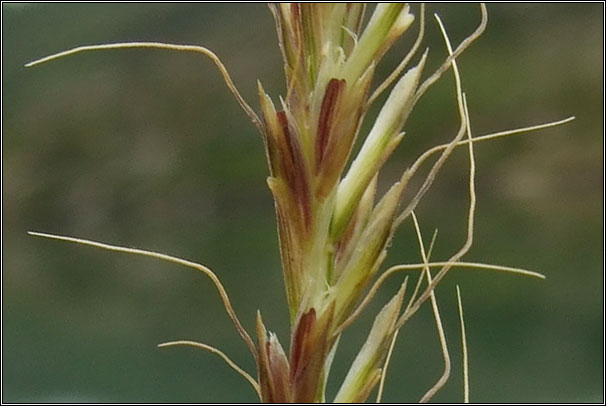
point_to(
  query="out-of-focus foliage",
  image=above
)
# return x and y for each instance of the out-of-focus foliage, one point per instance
(147, 148)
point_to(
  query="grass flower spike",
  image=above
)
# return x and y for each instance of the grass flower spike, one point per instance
(334, 229)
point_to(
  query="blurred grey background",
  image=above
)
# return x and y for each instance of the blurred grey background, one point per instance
(147, 148)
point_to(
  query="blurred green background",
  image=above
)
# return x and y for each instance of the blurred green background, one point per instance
(147, 148)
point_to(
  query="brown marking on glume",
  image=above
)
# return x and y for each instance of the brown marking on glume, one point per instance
(296, 170)
(326, 117)
(315, 345)
(295, 11)
(306, 322)
(283, 121)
